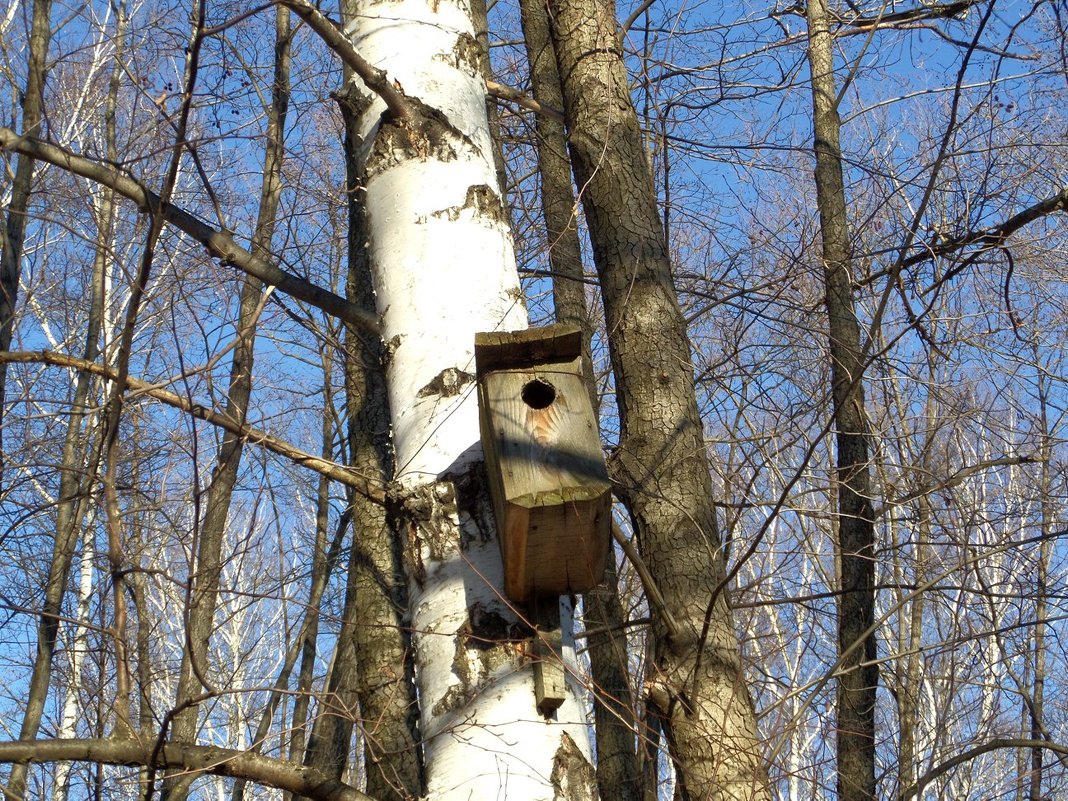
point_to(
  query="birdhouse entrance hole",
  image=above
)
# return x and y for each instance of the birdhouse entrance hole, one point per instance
(538, 394)
(546, 471)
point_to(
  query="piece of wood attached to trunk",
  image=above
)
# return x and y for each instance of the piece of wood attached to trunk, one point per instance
(547, 475)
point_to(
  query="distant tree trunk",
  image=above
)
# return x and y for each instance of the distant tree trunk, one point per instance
(205, 573)
(441, 252)
(660, 464)
(615, 722)
(323, 562)
(859, 674)
(71, 507)
(13, 229)
(1047, 516)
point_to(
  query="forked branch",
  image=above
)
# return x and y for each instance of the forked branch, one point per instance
(219, 243)
(343, 475)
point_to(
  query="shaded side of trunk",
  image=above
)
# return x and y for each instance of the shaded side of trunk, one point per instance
(856, 526)
(13, 229)
(660, 465)
(615, 723)
(371, 674)
(204, 578)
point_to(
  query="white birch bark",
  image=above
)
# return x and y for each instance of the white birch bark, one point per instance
(78, 648)
(444, 269)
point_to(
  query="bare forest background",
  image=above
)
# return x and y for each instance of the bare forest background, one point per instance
(862, 213)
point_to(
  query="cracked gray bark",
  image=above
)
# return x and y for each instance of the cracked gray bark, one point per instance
(615, 722)
(854, 517)
(13, 230)
(371, 672)
(205, 573)
(660, 464)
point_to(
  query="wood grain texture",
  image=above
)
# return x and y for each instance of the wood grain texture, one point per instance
(547, 474)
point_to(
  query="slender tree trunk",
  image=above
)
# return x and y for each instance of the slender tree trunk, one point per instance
(322, 566)
(372, 668)
(303, 646)
(857, 683)
(73, 486)
(77, 651)
(660, 464)
(615, 722)
(444, 269)
(13, 230)
(204, 577)
(1045, 549)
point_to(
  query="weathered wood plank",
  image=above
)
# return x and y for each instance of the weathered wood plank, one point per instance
(550, 683)
(496, 350)
(550, 487)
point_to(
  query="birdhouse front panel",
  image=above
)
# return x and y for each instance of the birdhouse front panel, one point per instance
(547, 474)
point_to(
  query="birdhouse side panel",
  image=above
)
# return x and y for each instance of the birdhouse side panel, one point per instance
(567, 544)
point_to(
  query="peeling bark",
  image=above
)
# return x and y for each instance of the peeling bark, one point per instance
(444, 269)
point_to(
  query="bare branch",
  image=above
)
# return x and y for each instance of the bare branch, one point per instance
(276, 773)
(499, 90)
(343, 475)
(926, 12)
(398, 103)
(993, 745)
(219, 243)
(995, 236)
(956, 479)
(652, 592)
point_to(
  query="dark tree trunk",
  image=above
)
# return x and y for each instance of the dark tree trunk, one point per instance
(615, 723)
(372, 668)
(855, 519)
(13, 231)
(660, 465)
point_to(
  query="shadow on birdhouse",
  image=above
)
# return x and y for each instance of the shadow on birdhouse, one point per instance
(550, 488)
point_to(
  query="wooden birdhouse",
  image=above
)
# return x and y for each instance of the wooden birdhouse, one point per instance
(550, 487)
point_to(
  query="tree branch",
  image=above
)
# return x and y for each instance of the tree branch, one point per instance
(502, 92)
(398, 103)
(343, 475)
(996, 235)
(652, 592)
(276, 773)
(955, 480)
(972, 753)
(908, 16)
(219, 243)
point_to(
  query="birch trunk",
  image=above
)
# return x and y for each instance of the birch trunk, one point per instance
(444, 269)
